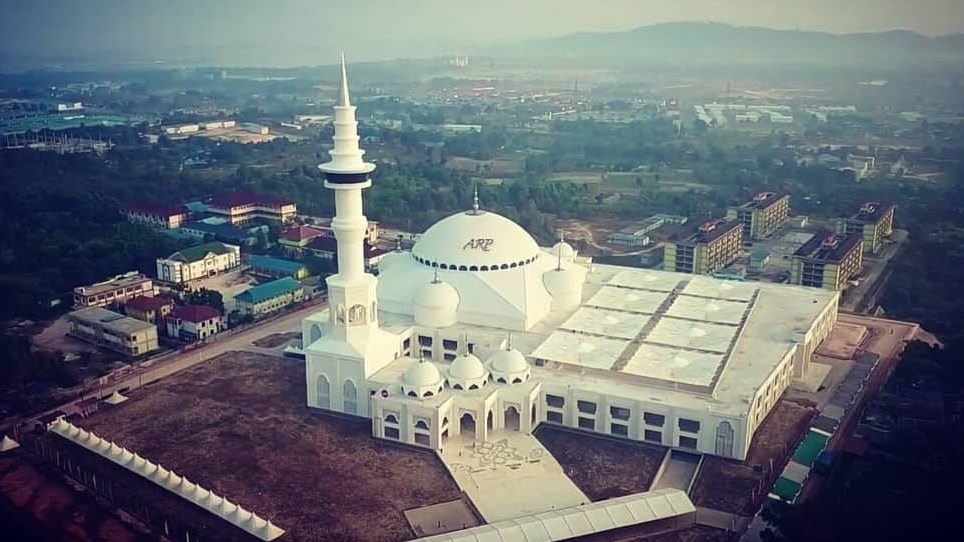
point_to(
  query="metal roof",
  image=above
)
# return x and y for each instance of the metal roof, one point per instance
(268, 290)
(577, 521)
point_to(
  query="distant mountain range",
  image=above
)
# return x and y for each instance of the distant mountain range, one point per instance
(715, 43)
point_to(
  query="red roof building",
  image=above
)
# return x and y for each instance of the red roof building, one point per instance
(194, 322)
(149, 309)
(156, 215)
(245, 205)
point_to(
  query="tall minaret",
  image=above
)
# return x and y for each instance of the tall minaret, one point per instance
(351, 292)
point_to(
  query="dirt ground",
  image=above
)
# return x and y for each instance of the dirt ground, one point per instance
(54, 337)
(238, 425)
(602, 468)
(736, 487)
(37, 505)
(276, 339)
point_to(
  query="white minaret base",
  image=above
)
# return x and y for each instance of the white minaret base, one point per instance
(345, 346)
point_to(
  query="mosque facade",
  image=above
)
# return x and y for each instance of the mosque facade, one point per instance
(478, 329)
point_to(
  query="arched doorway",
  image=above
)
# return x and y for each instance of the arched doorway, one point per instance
(313, 334)
(467, 426)
(323, 392)
(350, 394)
(488, 420)
(724, 439)
(512, 422)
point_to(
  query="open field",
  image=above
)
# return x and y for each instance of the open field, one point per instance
(237, 424)
(602, 468)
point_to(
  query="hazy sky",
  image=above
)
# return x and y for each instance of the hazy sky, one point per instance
(296, 31)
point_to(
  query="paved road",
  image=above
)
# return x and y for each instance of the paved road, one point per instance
(157, 369)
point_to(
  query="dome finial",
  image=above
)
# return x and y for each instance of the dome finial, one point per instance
(435, 279)
(508, 341)
(398, 242)
(475, 198)
(343, 100)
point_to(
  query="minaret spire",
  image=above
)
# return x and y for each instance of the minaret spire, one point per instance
(343, 100)
(475, 199)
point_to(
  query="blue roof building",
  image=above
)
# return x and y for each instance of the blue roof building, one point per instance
(276, 267)
(269, 297)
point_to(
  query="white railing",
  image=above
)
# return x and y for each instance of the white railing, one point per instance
(169, 480)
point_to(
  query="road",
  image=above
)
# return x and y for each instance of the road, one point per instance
(158, 368)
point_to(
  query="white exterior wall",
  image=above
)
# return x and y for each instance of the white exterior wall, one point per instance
(177, 271)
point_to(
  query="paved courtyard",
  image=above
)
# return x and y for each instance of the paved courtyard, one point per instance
(509, 476)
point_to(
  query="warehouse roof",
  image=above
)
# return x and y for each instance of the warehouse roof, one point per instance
(281, 265)
(199, 252)
(257, 294)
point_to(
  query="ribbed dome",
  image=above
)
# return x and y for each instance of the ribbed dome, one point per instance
(466, 367)
(508, 362)
(475, 239)
(568, 253)
(422, 374)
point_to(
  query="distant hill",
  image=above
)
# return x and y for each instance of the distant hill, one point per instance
(715, 43)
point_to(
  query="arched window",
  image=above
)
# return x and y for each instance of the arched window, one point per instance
(428, 393)
(445, 421)
(391, 418)
(724, 439)
(516, 380)
(456, 386)
(350, 394)
(474, 268)
(421, 424)
(484, 268)
(434, 264)
(412, 393)
(463, 268)
(504, 266)
(500, 380)
(513, 265)
(473, 387)
(323, 392)
(314, 333)
(444, 266)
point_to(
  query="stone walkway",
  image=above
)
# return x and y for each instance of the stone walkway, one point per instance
(509, 476)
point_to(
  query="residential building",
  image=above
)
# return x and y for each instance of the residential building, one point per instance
(156, 215)
(827, 260)
(194, 322)
(327, 247)
(636, 236)
(149, 309)
(113, 331)
(247, 235)
(270, 297)
(762, 215)
(268, 266)
(704, 248)
(874, 221)
(294, 239)
(198, 262)
(118, 290)
(244, 206)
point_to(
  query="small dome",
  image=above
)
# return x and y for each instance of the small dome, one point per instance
(563, 281)
(568, 253)
(422, 374)
(436, 304)
(466, 367)
(508, 362)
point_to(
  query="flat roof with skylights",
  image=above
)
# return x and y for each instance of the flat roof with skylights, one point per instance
(610, 323)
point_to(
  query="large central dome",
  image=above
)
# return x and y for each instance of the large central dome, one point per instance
(475, 241)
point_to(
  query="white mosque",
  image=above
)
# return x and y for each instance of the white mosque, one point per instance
(477, 329)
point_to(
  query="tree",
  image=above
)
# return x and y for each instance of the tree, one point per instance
(204, 296)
